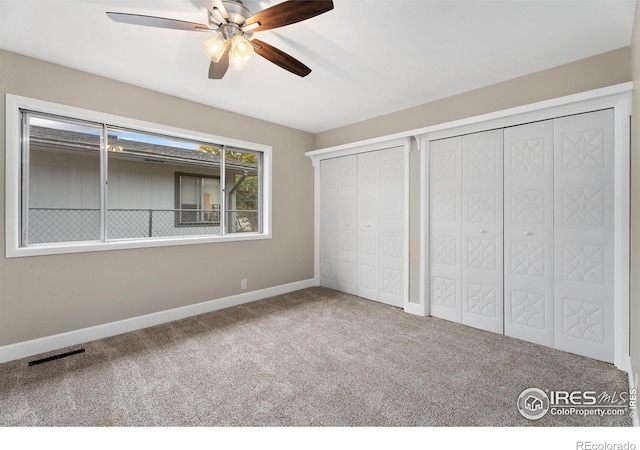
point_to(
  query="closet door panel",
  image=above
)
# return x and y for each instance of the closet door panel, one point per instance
(528, 232)
(482, 208)
(347, 224)
(329, 266)
(445, 240)
(392, 218)
(369, 225)
(584, 233)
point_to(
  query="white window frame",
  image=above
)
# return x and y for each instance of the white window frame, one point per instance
(13, 248)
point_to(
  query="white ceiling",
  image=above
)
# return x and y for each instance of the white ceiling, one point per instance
(369, 57)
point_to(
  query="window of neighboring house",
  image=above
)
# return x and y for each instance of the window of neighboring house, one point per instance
(96, 183)
(198, 200)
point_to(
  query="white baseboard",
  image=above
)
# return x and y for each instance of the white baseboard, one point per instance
(36, 346)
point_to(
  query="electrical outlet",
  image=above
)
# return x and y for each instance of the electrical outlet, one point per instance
(243, 283)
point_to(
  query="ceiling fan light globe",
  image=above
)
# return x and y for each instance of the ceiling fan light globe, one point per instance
(241, 47)
(214, 48)
(235, 62)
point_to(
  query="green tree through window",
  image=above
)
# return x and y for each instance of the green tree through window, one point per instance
(247, 193)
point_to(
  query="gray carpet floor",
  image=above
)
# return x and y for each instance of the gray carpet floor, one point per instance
(314, 357)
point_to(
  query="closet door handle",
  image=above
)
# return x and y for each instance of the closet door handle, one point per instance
(481, 231)
(526, 233)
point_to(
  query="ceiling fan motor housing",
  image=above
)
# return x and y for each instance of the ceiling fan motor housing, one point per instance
(238, 13)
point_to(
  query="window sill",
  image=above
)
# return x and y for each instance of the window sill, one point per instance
(95, 246)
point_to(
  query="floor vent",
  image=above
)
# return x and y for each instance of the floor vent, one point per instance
(51, 358)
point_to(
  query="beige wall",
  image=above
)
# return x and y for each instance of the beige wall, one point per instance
(41, 296)
(635, 197)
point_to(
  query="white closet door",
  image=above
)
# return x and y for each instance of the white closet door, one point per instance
(482, 271)
(584, 232)
(392, 218)
(445, 240)
(528, 232)
(347, 224)
(329, 271)
(369, 225)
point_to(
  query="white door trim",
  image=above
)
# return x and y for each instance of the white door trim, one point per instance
(617, 97)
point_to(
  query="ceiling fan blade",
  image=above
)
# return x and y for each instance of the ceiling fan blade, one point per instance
(157, 22)
(280, 58)
(217, 70)
(289, 12)
(220, 6)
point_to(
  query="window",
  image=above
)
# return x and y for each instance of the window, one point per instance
(99, 181)
(198, 200)
(61, 180)
(244, 191)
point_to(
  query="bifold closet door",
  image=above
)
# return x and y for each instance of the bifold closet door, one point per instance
(347, 224)
(584, 234)
(369, 225)
(465, 250)
(381, 226)
(362, 223)
(445, 225)
(482, 271)
(380, 208)
(522, 232)
(329, 172)
(338, 223)
(392, 226)
(528, 232)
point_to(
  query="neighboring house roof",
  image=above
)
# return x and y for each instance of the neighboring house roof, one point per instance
(71, 140)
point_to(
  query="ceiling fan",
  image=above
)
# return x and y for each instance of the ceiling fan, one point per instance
(233, 26)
